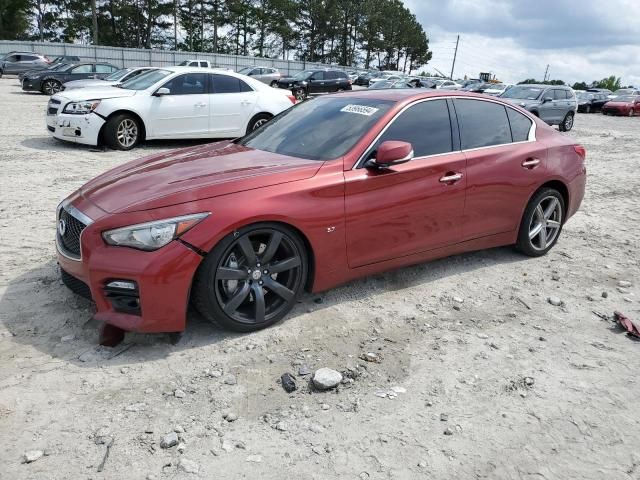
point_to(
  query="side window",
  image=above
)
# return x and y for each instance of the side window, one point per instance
(187, 84)
(482, 124)
(317, 76)
(425, 125)
(28, 58)
(82, 69)
(560, 94)
(520, 125)
(103, 69)
(13, 58)
(341, 75)
(227, 84)
(548, 95)
(204, 64)
(193, 64)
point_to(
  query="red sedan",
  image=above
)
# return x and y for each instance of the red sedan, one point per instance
(336, 188)
(628, 105)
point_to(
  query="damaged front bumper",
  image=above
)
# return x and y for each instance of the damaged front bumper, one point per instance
(83, 129)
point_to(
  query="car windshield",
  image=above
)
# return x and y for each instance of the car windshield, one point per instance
(144, 81)
(302, 75)
(584, 95)
(319, 129)
(381, 84)
(523, 93)
(118, 74)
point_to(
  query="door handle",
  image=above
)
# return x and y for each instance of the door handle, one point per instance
(531, 163)
(200, 105)
(451, 177)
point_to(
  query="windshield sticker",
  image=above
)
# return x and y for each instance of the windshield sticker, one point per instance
(359, 109)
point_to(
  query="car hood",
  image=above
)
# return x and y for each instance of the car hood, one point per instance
(613, 103)
(95, 93)
(190, 174)
(88, 83)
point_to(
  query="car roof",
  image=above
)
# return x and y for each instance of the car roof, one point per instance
(541, 85)
(410, 94)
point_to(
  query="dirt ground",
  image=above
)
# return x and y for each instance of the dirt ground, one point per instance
(479, 375)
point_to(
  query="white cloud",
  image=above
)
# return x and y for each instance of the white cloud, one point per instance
(580, 40)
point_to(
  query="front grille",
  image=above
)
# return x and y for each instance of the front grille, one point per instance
(68, 233)
(76, 285)
(51, 129)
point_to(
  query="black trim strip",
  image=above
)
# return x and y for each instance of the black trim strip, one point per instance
(193, 248)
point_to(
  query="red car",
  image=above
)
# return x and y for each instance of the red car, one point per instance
(628, 105)
(334, 189)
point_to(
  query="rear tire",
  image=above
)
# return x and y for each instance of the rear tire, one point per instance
(274, 83)
(257, 121)
(567, 123)
(252, 278)
(541, 223)
(122, 132)
(588, 109)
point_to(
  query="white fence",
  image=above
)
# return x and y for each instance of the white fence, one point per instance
(135, 57)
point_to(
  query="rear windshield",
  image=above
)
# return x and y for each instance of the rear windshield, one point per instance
(523, 93)
(319, 129)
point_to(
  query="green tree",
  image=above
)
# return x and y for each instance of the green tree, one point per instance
(613, 83)
(14, 15)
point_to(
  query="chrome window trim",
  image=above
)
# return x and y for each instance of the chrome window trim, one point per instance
(74, 212)
(532, 131)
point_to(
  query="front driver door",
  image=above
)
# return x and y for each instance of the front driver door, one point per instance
(412, 207)
(184, 112)
(317, 83)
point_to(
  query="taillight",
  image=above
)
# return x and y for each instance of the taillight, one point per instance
(292, 98)
(47, 59)
(580, 150)
(350, 82)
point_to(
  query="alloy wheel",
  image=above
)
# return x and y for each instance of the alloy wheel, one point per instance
(258, 276)
(51, 87)
(568, 122)
(258, 123)
(545, 223)
(127, 133)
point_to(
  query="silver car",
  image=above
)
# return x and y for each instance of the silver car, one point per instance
(116, 78)
(14, 63)
(554, 104)
(268, 75)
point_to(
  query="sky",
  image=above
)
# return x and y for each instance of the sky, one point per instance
(580, 40)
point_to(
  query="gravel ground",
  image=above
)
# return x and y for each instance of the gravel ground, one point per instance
(475, 373)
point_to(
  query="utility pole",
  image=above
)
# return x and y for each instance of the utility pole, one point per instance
(546, 72)
(453, 65)
(94, 17)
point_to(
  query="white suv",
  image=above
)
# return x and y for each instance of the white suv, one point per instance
(172, 102)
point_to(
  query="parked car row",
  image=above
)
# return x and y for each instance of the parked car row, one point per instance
(16, 62)
(624, 101)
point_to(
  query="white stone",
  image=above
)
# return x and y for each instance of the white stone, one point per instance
(326, 378)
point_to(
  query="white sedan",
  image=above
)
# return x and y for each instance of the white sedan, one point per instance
(167, 103)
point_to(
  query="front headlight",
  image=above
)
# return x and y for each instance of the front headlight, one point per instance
(152, 235)
(81, 108)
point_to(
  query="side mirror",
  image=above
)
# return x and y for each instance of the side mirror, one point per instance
(546, 99)
(391, 153)
(162, 91)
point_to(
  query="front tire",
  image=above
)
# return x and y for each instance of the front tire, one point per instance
(541, 223)
(300, 95)
(632, 112)
(567, 123)
(274, 83)
(252, 278)
(122, 132)
(588, 109)
(51, 87)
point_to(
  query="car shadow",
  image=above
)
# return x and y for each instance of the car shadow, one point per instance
(48, 143)
(39, 311)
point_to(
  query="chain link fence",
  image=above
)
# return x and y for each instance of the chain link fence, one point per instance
(137, 57)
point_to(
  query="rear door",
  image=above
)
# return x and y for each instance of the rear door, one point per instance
(11, 64)
(184, 112)
(80, 73)
(232, 102)
(504, 164)
(409, 208)
(102, 70)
